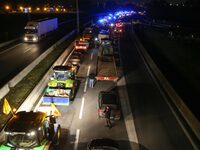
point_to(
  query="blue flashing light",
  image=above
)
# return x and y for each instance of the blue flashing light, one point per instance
(101, 20)
(112, 25)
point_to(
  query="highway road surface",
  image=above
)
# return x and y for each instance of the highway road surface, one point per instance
(79, 120)
(156, 126)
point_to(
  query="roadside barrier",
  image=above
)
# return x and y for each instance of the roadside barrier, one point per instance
(25, 71)
(191, 120)
(30, 101)
(4, 90)
(28, 104)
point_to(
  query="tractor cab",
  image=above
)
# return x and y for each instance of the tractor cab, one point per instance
(31, 130)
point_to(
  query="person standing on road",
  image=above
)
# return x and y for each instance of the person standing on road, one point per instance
(107, 112)
(91, 80)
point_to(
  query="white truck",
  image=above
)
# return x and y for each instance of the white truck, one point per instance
(106, 67)
(35, 30)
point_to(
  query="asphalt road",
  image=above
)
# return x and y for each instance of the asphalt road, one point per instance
(155, 124)
(79, 120)
(17, 57)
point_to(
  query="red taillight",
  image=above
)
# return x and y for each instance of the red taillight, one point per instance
(100, 110)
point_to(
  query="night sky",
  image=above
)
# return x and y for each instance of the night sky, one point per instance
(67, 3)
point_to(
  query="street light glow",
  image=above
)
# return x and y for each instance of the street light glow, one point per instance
(21, 8)
(7, 7)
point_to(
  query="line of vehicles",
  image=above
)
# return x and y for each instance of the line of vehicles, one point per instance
(39, 130)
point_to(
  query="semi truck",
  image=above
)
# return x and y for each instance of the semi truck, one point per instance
(35, 30)
(106, 67)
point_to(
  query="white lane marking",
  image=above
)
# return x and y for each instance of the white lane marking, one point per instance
(86, 82)
(10, 48)
(76, 139)
(91, 57)
(126, 110)
(28, 49)
(81, 110)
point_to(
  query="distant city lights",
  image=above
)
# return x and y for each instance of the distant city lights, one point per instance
(30, 9)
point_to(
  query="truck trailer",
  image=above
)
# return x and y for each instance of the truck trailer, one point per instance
(106, 67)
(35, 30)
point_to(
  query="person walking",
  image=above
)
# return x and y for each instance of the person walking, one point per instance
(91, 80)
(107, 112)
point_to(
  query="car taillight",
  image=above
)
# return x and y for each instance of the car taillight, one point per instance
(100, 110)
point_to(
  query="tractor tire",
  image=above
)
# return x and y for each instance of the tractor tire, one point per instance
(57, 136)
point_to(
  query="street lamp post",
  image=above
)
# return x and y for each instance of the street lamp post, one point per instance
(77, 16)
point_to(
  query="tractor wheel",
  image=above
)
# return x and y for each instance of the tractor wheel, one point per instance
(57, 137)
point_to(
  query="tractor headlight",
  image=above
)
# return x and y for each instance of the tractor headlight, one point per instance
(32, 133)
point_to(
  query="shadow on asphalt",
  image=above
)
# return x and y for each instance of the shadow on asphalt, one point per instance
(123, 145)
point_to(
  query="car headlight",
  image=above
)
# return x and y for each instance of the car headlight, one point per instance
(34, 38)
(25, 38)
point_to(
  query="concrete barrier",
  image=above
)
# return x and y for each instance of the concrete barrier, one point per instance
(30, 101)
(4, 90)
(26, 70)
(191, 120)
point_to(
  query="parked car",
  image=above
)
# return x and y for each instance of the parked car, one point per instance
(109, 99)
(102, 144)
(76, 58)
(81, 45)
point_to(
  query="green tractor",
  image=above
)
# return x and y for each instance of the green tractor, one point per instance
(62, 85)
(31, 131)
